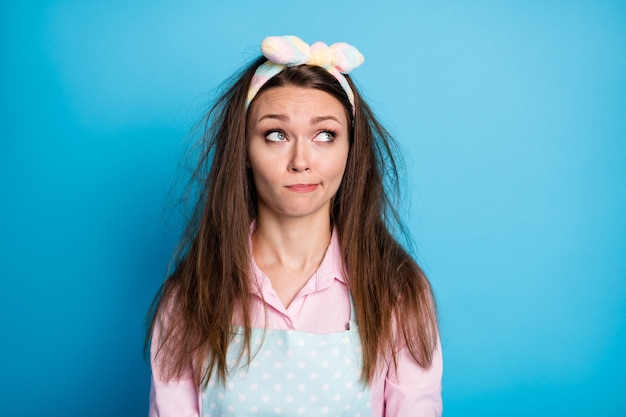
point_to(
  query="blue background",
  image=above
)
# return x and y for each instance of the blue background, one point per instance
(512, 117)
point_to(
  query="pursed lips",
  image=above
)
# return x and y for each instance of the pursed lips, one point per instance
(302, 188)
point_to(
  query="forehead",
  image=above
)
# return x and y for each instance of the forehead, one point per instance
(296, 102)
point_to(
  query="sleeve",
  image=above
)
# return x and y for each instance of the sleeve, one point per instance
(411, 390)
(170, 398)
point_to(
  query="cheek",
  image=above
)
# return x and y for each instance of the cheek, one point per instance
(263, 172)
(255, 161)
(336, 165)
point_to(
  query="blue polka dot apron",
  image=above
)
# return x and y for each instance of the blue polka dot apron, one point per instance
(292, 374)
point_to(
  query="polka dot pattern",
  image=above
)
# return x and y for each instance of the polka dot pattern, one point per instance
(291, 374)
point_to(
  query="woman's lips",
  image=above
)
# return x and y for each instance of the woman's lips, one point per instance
(302, 188)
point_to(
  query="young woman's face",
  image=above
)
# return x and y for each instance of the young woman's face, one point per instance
(297, 149)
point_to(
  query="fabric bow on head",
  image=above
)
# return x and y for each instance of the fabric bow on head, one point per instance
(291, 51)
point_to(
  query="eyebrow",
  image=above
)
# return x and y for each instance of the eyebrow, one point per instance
(284, 118)
(280, 117)
(316, 120)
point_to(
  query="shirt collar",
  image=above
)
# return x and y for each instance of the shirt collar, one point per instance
(332, 265)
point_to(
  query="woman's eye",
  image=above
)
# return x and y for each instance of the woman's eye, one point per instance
(325, 136)
(276, 136)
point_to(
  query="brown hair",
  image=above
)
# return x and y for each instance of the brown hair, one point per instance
(393, 301)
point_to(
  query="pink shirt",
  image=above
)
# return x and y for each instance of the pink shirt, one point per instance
(321, 306)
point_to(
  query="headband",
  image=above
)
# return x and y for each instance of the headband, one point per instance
(290, 51)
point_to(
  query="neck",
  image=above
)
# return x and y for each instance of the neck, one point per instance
(293, 243)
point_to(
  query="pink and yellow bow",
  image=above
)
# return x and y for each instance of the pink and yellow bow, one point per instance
(290, 51)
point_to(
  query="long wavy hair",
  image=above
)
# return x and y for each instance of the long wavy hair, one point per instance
(210, 282)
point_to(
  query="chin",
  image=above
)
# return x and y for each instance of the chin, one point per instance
(302, 212)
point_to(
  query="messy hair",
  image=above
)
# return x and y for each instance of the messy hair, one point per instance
(193, 311)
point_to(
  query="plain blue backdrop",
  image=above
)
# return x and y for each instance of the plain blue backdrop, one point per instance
(512, 119)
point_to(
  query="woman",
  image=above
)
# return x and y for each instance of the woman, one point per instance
(290, 295)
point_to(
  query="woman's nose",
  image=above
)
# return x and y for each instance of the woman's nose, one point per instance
(300, 158)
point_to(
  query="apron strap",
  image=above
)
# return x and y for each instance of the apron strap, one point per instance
(352, 324)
